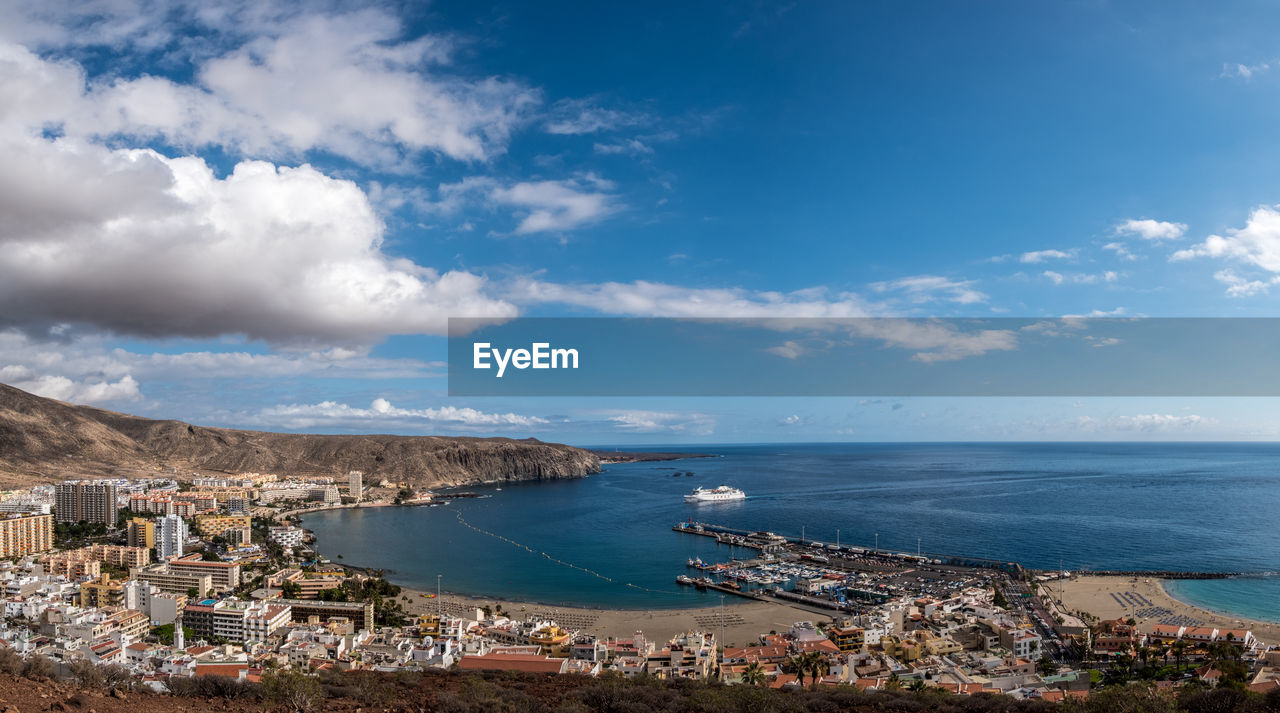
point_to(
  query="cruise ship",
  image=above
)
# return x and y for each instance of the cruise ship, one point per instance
(715, 495)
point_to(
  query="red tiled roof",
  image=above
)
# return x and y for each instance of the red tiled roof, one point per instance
(512, 662)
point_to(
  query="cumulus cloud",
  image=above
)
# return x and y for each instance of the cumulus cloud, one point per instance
(349, 84)
(80, 392)
(1257, 243)
(280, 254)
(382, 413)
(1149, 229)
(932, 288)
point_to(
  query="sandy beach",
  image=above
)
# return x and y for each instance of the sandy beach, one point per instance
(1093, 595)
(743, 621)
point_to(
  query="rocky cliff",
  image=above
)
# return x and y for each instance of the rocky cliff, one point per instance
(42, 439)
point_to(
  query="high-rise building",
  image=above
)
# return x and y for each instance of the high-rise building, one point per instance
(81, 500)
(25, 534)
(171, 535)
(141, 532)
(355, 484)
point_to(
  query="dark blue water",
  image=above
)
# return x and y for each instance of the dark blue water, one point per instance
(1092, 506)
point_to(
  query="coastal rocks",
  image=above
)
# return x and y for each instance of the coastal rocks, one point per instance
(43, 439)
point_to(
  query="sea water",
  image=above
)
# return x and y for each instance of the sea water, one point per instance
(606, 540)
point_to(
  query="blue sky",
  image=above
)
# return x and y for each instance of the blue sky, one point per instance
(260, 215)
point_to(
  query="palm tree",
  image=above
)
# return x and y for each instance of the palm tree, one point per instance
(817, 665)
(798, 665)
(894, 683)
(917, 685)
(1179, 649)
(753, 674)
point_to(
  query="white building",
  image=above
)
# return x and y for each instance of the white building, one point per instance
(171, 536)
(286, 537)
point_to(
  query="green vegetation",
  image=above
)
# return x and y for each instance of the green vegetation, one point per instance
(999, 599)
(376, 590)
(75, 532)
(165, 634)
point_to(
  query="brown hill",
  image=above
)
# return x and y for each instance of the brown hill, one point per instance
(42, 439)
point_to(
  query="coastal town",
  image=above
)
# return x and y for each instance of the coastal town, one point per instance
(165, 580)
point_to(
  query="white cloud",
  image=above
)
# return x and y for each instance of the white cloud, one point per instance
(1149, 229)
(1037, 256)
(1121, 251)
(80, 392)
(1244, 71)
(553, 206)
(792, 420)
(931, 288)
(281, 254)
(655, 299)
(626, 147)
(1079, 278)
(540, 206)
(382, 413)
(586, 116)
(1257, 243)
(1238, 286)
(788, 350)
(348, 83)
(662, 422)
(1143, 423)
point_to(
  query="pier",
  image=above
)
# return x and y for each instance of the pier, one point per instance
(773, 542)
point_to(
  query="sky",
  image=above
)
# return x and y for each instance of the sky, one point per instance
(261, 214)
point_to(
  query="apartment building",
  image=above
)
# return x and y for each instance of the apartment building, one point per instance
(359, 613)
(355, 484)
(141, 532)
(102, 592)
(171, 537)
(309, 584)
(287, 537)
(74, 569)
(82, 500)
(25, 535)
(224, 576)
(236, 529)
(238, 621)
(174, 582)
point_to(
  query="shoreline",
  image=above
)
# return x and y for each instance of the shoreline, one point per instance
(1092, 594)
(742, 622)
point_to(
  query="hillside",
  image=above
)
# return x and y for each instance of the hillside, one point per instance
(42, 439)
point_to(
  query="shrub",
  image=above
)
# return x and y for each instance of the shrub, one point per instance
(292, 689)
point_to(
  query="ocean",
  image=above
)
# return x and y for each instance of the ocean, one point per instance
(606, 540)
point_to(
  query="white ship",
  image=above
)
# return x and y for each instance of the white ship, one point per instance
(715, 495)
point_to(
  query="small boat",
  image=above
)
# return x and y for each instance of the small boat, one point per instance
(696, 562)
(730, 584)
(684, 579)
(702, 582)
